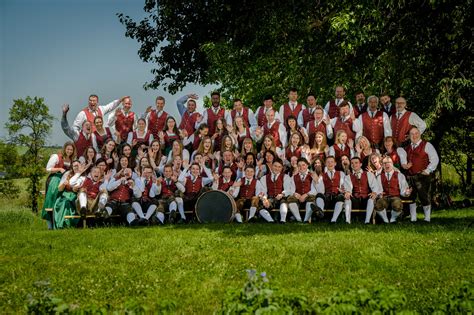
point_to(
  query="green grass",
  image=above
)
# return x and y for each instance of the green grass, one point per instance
(194, 265)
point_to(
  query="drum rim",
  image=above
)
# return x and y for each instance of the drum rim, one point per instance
(229, 196)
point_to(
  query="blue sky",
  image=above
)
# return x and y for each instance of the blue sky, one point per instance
(64, 50)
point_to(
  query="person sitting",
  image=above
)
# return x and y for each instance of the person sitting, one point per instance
(362, 189)
(170, 198)
(394, 185)
(308, 190)
(92, 196)
(121, 188)
(276, 187)
(146, 205)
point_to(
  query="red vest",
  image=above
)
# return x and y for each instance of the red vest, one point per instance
(124, 124)
(192, 188)
(169, 139)
(289, 154)
(90, 117)
(146, 191)
(274, 131)
(212, 118)
(261, 117)
(91, 188)
(360, 187)
(82, 143)
(346, 126)
(224, 186)
(122, 193)
(288, 112)
(188, 122)
(274, 188)
(400, 127)
(357, 111)
(168, 190)
(418, 157)
(373, 127)
(145, 140)
(331, 186)
(100, 140)
(307, 116)
(247, 191)
(312, 129)
(196, 142)
(302, 187)
(390, 188)
(333, 109)
(60, 163)
(155, 123)
(338, 153)
(245, 115)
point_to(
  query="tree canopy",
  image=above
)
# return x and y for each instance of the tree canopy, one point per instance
(419, 49)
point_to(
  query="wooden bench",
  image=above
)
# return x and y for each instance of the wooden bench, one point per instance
(303, 211)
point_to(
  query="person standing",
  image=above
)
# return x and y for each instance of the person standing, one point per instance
(421, 162)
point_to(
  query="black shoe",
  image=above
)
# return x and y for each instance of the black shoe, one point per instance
(282, 222)
(252, 219)
(181, 221)
(317, 210)
(104, 214)
(305, 222)
(154, 220)
(83, 212)
(143, 222)
(173, 217)
(134, 223)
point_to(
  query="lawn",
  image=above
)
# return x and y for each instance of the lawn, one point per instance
(194, 265)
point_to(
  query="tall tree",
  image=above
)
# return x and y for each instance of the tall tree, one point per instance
(29, 125)
(421, 50)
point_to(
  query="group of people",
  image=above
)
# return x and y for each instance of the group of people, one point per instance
(343, 156)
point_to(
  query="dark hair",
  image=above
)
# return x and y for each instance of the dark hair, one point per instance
(277, 160)
(356, 158)
(311, 94)
(268, 97)
(293, 89)
(94, 95)
(301, 159)
(237, 100)
(215, 93)
(160, 98)
(359, 92)
(344, 104)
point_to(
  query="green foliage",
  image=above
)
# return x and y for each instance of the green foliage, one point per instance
(9, 160)
(29, 125)
(8, 188)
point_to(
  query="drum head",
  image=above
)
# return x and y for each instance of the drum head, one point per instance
(215, 206)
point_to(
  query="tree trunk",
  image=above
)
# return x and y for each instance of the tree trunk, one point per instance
(469, 170)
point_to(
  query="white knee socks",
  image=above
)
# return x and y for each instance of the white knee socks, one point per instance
(427, 211)
(150, 211)
(337, 211)
(138, 210)
(369, 210)
(295, 211)
(266, 215)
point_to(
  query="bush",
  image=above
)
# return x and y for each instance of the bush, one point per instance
(9, 189)
(258, 297)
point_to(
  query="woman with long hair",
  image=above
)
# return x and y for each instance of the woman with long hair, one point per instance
(205, 149)
(363, 150)
(178, 149)
(169, 135)
(220, 132)
(292, 127)
(395, 153)
(57, 165)
(65, 204)
(109, 153)
(240, 131)
(155, 156)
(140, 135)
(342, 146)
(101, 133)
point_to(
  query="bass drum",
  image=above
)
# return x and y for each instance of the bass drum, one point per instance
(215, 206)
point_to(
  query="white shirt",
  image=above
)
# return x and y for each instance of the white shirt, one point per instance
(287, 185)
(413, 120)
(432, 156)
(115, 183)
(277, 114)
(112, 118)
(252, 123)
(105, 109)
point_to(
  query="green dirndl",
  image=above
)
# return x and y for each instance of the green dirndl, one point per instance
(65, 205)
(52, 193)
